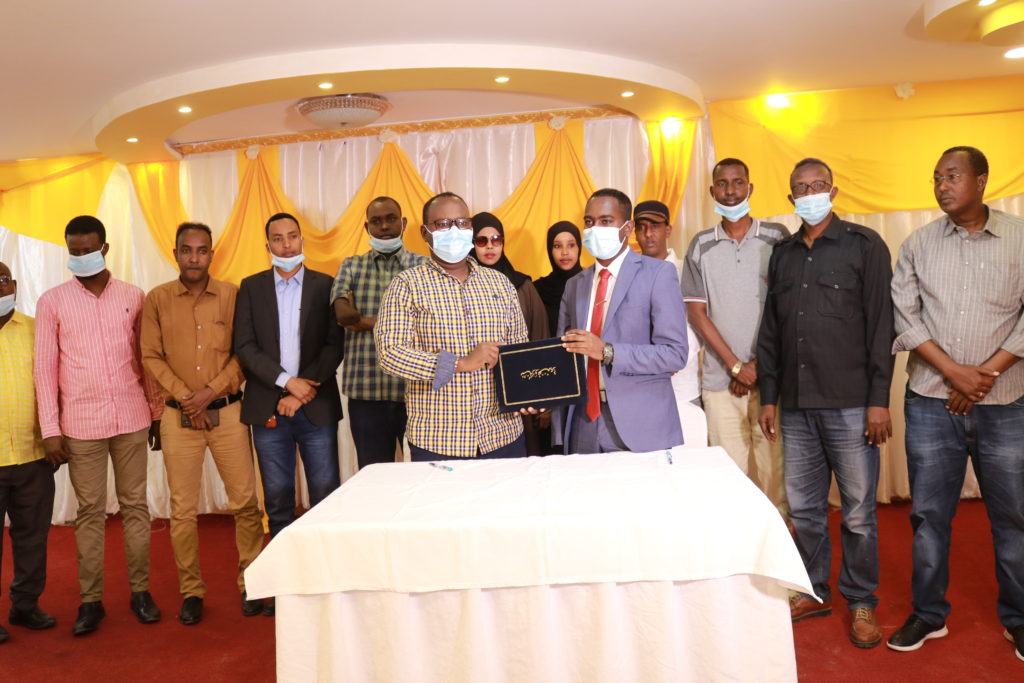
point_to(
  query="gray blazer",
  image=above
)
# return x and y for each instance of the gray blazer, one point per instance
(646, 325)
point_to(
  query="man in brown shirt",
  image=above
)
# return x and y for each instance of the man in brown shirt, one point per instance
(186, 346)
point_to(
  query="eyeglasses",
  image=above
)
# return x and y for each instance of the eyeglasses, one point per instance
(952, 179)
(801, 189)
(445, 223)
(482, 240)
(4, 280)
(381, 220)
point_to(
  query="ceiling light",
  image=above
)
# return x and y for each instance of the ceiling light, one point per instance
(777, 100)
(131, 140)
(985, 3)
(326, 85)
(343, 111)
(185, 110)
(1015, 53)
(501, 79)
(628, 93)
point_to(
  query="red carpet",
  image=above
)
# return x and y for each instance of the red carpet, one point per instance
(229, 647)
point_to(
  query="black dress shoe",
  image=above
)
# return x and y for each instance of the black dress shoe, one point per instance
(268, 608)
(4, 635)
(251, 608)
(90, 614)
(35, 618)
(145, 609)
(191, 611)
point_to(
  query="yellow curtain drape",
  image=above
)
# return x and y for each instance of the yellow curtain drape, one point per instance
(556, 188)
(39, 196)
(671, 144)
(241, 249)
(882, 149)
(156, 187)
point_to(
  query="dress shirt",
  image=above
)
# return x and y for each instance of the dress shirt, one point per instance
(827, 330)
(427, 320)
(88, 365)
(186, 340)
(289, 302)
(613, 269)
(367, 276)
(965, 292)
(20, 441)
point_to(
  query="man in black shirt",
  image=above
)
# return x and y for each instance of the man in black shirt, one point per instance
(824, 351)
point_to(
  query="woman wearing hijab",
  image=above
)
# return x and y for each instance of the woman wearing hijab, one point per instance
(489, 244)
(564, 254)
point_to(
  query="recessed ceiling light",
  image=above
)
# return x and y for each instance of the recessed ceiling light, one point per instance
(185, 110)
(132, 140)
(326, 85)
(628, 93)
(501, 79)
(985, 3)
(777, 100)
(1015, 53)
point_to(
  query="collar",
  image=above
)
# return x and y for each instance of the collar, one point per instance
(297, 277)
(18, 318)
(992, 225)
(615, 266)
(212, 287)
(397, 253)
(470, 263)
(753, 231)
(832, 231)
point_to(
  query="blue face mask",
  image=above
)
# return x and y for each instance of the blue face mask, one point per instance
(386, 246)
(813, 208)
(6, 304)
(452, 245)
(733, 213)
(88, 265)
(602, 241)
(287, 263)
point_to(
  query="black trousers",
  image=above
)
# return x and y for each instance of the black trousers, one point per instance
(26, 495)
(377, 429)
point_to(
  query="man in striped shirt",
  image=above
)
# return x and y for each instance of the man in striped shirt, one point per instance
(439, 328)
(26, 478)
(958, 292)
(95, 400)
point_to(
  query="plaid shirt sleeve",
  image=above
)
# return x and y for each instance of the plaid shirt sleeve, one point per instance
(394, 333)
(342, 281)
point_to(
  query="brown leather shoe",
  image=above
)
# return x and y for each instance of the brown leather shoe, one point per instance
(864, 631)
(802, 606)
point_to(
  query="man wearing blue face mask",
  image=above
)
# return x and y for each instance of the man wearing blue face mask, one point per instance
(625, 316)
(724, 283)
(289, 344)
(824, 353)
(376, 401)
(439, 328)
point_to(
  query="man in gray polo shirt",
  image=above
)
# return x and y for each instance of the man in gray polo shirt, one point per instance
(724, 285)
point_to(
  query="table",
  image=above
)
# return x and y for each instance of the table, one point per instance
(665, 566)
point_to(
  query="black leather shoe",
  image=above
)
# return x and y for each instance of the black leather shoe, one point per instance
(35, 618)
(251, 608)
(191, 611)
(90, 614)
(4, 635)
(145, 609)
(268, 608)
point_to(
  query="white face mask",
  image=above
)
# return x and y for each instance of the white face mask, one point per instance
(87, 265)
(453, 244)
(387, 245)
(813, 208)
(6, 304)
(734, 213)
(287, 263)
(603, 241)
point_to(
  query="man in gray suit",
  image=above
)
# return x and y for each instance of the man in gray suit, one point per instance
(620, 315)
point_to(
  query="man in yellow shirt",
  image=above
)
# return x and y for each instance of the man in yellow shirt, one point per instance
(26, 478)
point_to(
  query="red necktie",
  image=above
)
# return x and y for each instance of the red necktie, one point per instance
(593, 365)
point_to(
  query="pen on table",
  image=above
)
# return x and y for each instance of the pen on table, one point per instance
(441, 467)
(668, 454)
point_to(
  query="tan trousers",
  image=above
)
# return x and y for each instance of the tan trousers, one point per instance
(88, 471)
(184, 453)
(733, 425)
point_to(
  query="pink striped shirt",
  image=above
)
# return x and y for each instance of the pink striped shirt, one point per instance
(88, 365)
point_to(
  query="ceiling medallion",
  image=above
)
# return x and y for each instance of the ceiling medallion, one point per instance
(343, 111)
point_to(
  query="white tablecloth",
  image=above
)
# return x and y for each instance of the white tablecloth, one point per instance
(612, 567)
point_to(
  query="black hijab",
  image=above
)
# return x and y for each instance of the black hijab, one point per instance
(502, 265)
(550, 287)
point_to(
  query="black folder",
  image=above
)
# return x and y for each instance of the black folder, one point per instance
(539, 374)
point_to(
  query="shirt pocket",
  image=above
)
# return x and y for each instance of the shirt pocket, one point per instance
(837, 294)
(221, 337)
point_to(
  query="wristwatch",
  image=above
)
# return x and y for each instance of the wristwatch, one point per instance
(736, 368)
(609, 355)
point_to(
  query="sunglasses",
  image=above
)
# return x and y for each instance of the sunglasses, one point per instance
(495, 240)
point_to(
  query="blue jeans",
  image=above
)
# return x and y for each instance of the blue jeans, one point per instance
(275, 451)
(515, 449)
(938, 444)
(817, 444)
(377, 429)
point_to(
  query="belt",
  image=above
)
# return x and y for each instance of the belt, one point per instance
(214, 405)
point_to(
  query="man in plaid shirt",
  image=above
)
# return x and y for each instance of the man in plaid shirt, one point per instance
(376, 401)
(439, 328)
